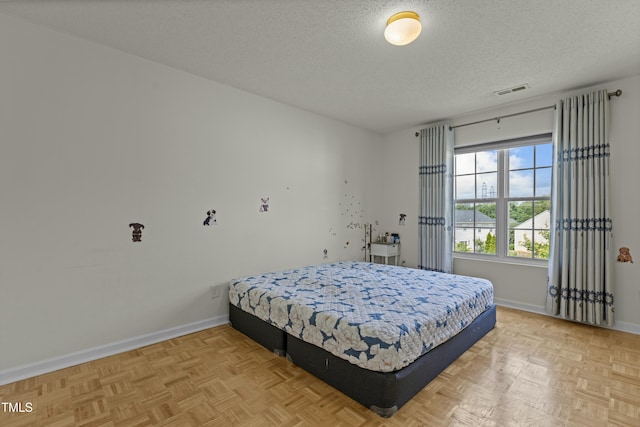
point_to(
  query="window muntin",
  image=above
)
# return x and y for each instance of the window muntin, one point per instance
(503, 199)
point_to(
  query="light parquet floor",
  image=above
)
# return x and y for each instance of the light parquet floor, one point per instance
(531, 370)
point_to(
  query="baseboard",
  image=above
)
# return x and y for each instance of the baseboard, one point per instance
(56, 363)
(53, 364)
(632, 328)
(538, 309)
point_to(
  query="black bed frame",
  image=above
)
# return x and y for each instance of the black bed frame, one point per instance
(382, 392)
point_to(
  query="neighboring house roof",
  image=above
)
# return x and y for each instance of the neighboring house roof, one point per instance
(464, 216)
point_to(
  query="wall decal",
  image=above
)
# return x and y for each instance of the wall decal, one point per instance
(264, 204)
(351, 208)
(402, 220)
(625, 255)
(211, 218)
(137, 231)
(325, 254)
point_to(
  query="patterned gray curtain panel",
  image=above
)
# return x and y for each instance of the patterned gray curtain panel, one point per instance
(435, 243)
(580, 284)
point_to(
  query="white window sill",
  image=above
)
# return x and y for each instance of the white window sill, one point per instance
(511, 261)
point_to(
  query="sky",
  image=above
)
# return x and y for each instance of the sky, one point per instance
(522, 175)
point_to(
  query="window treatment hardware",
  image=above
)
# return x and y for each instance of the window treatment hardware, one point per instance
(616, 93)
(497, 119)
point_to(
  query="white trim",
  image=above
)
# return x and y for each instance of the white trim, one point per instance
(49, 365)
(538, 309)
(632, 328)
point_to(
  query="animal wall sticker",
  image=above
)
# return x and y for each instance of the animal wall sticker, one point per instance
(137, 231)
(625, 255)
(211, 218)
(403, 219)
(264, 204)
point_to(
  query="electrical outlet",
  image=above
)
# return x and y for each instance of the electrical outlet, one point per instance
(215, 292)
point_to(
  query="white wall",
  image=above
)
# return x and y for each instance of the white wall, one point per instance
(93, 139)
(520, 285)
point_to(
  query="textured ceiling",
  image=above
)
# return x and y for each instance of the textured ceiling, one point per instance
(330, 57)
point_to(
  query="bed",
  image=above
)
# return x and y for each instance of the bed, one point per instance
(378, 333)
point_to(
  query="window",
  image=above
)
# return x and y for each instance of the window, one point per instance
(502, 198)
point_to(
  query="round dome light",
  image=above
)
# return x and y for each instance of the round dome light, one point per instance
(403, 28)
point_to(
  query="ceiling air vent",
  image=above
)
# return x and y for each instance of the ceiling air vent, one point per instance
(514, 89)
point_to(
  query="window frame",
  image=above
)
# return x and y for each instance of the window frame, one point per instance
(502, 201)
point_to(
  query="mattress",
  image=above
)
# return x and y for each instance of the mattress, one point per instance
(377, 317)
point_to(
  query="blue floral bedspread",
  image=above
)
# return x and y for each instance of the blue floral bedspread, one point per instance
(379, 317)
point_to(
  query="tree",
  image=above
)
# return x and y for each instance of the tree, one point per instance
(490, 244)
(489, 209)
(540, 249)
(521, 212)
(462, 247)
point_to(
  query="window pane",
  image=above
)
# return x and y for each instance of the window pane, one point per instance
(464, 239)
(485, 241)
(542, 212)
(486, 215)
(544, 155)
(543, 182)
(475, 227)
(487, 185)
(521, 183)
(530, 229)
(465, 187)
(520, 158)
(522, 242)
(541, 244)
(520, 212)
(464, 216)
(487, 161)
(465, 163)
(485, 223)
(541, 232)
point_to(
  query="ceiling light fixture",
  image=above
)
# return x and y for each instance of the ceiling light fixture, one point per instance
(403, 28)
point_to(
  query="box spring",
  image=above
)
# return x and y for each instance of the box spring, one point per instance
(274, 339)
(382, 392)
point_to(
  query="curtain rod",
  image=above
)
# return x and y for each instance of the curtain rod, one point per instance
(497, 119)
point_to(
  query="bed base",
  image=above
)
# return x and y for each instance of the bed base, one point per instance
(385, 392)
(270, 337)
(382, 392)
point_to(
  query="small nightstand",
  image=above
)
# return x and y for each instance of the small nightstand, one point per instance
(385, 250)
